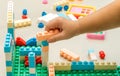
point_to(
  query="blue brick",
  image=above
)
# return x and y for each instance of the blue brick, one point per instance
(31, 58)
(11, 31)
(58, 8)
(63, 15)
(66, 7)
(8, 63)
(85, 65)
(32, 74)
(9, 74)
(44, 43)
(40, 25)
(25, 50)
(31, 42)
(8, 42)
(43, 13)
(24, 12)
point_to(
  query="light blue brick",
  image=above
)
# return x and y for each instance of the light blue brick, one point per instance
(8, 63)
(9, 74)
(25, 50)
(63, 15)
(32, 74)
(85, 65)
(31, 58)
(7, 43)
(42, 43)
(11, 31)
(31, 42)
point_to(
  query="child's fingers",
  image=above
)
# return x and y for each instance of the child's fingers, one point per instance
(57, 37)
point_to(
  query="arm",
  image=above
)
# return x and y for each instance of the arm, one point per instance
(104, 19)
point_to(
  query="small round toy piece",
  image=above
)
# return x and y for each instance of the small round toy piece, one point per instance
(24, 17)
(24, 12)
(44, 13)
(40, 25)
(66, 7)
(59, 8)
(102, 54)
(44, 1)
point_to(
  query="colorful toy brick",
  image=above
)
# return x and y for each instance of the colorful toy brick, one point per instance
(24, 16)
(66, 7)
(23, 23)
(10, 15)
(82, 65)
(91, 55)
(72, 17)
(61, 3)
(40, 25)
(25, 50)
(20, 42)
(43, 43)
(97, 35)
(105, 66)
(45, 56)
(41, 36)
(61, 66)
(70, 56)
(101, 54)
(58, 8)
(79, 10)
(45, 1)
(63, 15)
(45, 19)
(43, 13)
(8, 43)
(24, 12)
(51, 70)
(31, 42)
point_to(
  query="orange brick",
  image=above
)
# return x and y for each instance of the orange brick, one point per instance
(45, 48)
(51, 70)
(70, 56)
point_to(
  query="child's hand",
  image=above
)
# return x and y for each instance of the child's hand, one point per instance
(67, 28)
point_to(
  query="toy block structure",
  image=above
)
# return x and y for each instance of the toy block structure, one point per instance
(82, 65)
(70, 56)
(91, 55)
(97, 35)
(31, 42)
(51, 70)
(20, 42)
(23, 23)
(79, 10)
(24, 51)
(46, 18)
(8, 49)
(61, 3)
(59, 66)
(10, 18)
(32, 64)
(105, 66)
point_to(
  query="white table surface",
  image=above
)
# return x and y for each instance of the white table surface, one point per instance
(79, 44)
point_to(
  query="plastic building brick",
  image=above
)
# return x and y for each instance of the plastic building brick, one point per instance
(101, 54)
(25, 50)
(70, 56)
(8, 43)
(91, 55)
(72, 17)
(66, 7)
(23, 23)
(46, 18)
(40, 25)
(24, 12)
(44, 1)
(41, 36)
(44, 56)
(31, 42)
(82, 65)
(105, 66)
(61, 66)
(24, 17)
(58, 8)
(51, 70)
(43, 43)
(11, 31)
(63, 15)
(61, 3)
(20, 42)
(97, 35)
(10, 15)
(32, 63)
(43, 13)
(78, 10)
